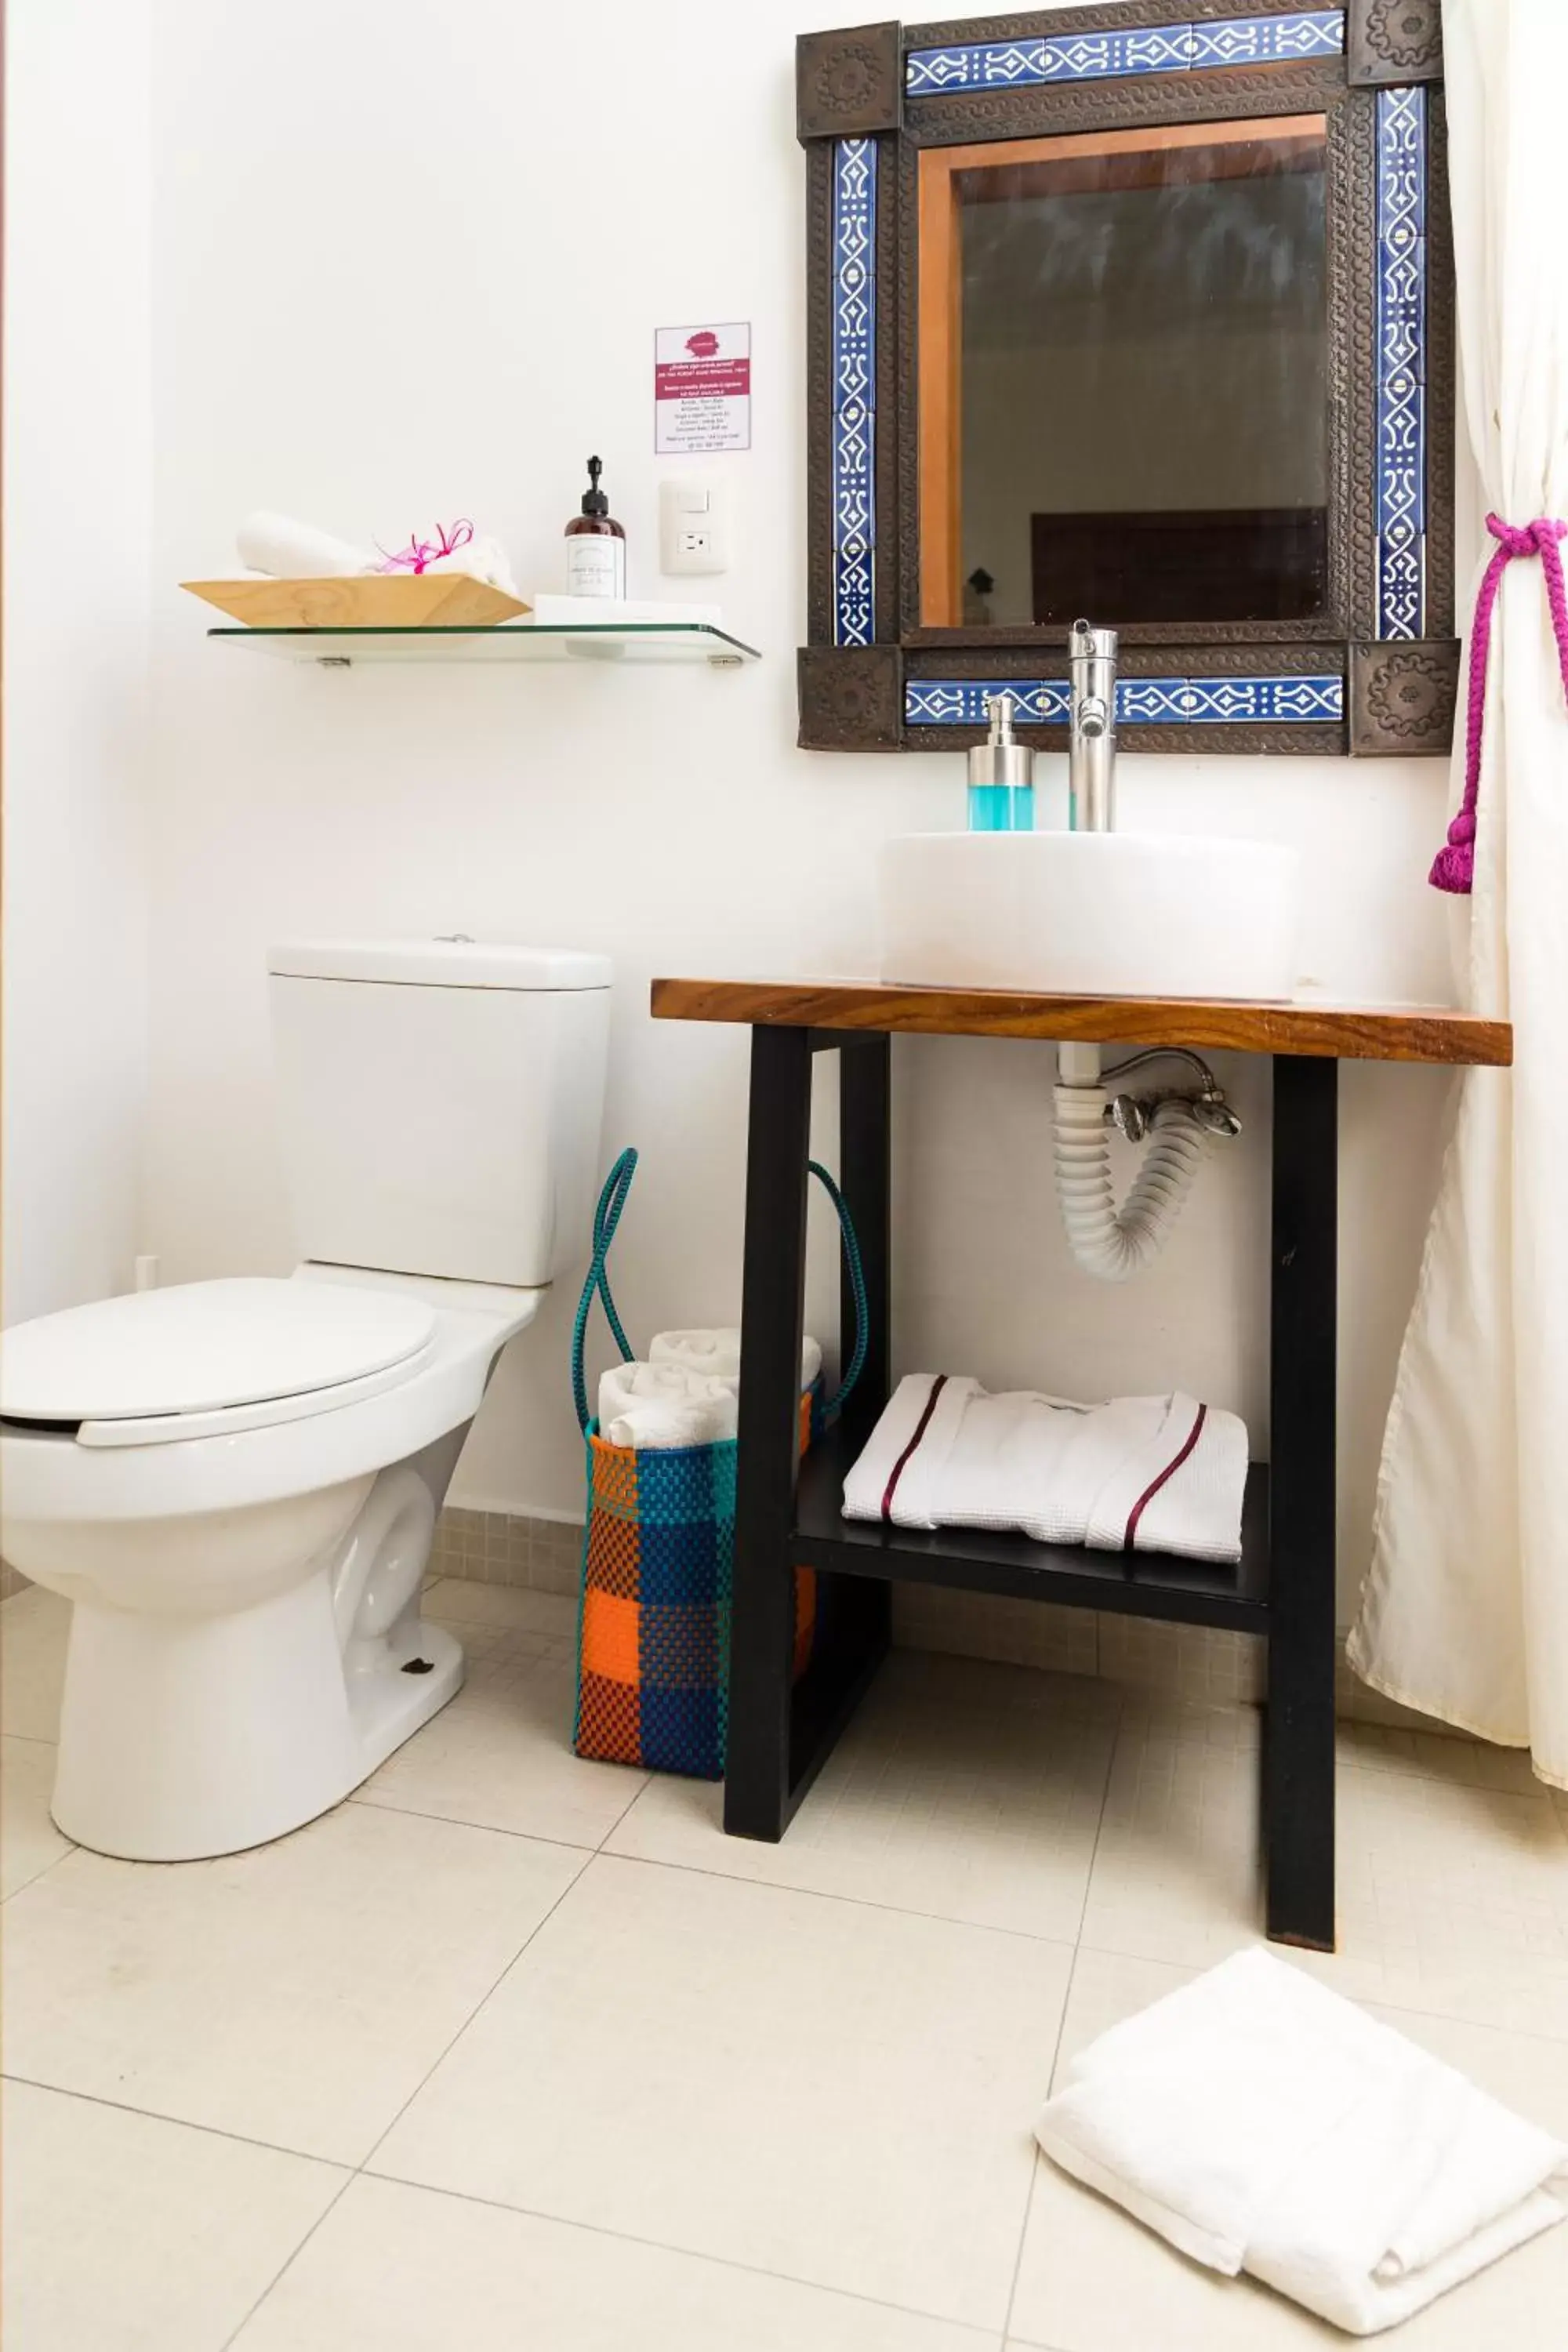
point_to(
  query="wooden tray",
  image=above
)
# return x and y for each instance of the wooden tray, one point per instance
(379, 599)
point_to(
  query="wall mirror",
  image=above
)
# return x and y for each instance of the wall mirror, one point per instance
(1123, 379)
(1143, 312)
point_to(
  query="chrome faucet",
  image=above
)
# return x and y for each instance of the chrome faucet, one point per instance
(1091, 749)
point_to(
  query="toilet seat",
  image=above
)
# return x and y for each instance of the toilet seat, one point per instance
(205, 1357)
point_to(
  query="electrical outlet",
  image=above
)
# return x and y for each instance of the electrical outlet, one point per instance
(693, 525)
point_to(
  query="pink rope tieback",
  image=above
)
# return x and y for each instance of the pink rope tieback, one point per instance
(418, 552)
(1453, 866)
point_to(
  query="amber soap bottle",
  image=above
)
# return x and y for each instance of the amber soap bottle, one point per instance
(595, 544)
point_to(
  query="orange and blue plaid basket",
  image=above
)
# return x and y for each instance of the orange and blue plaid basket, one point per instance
(653, 1628)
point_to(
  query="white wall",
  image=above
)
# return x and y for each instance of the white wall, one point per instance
(78, 555)
(410, 262)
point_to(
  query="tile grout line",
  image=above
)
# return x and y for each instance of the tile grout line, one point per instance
(588, 1859)
(460, 1821)
(355, 2172)
(688, 2253)
(290, 2258)
(52, 1864)
(175, 2123)
(1062, 2025)
(826, 1894)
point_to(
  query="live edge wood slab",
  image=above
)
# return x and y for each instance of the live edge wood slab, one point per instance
(788, 1514)
(1330, 1032)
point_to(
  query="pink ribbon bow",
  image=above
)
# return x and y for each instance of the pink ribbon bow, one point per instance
(1453, 866)
(418, 552)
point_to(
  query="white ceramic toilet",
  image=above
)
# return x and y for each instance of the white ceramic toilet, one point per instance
(236, 1481)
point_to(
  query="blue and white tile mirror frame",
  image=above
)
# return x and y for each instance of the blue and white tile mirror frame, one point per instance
(1375, 672)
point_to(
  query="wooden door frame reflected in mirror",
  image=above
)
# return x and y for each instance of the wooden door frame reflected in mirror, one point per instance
(892, 117)
(947, 179)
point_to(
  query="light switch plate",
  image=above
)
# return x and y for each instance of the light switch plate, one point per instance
(693, 524)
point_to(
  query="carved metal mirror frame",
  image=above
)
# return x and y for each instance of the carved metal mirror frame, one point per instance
(1376, 672)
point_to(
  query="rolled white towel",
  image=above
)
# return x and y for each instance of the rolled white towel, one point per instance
(662, 1406)
(1261, 2123)
(717, 1352)
(286, 549)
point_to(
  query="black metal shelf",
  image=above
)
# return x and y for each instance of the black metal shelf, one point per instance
(1137, 1584)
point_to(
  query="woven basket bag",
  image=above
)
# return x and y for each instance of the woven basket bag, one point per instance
(653, 1626)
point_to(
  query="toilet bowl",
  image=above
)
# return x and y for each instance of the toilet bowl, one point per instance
(245, 1644)
(236, 1483)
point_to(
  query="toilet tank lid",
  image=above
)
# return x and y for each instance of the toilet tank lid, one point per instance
(457, 962)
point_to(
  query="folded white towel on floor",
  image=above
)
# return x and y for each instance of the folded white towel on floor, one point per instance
(718, 1353)
(1261, 2123)
(1146, 1474)
(664, 1404)
(286, 549)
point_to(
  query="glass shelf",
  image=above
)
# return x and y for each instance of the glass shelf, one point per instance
(511, 641)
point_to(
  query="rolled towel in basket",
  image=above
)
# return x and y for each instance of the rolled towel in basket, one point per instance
(663, 1404)
(1261, 2123)
(286, 549)
(718, 1353)
(1144, 1474)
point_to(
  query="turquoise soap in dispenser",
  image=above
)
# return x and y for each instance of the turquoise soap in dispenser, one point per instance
(1001, 775)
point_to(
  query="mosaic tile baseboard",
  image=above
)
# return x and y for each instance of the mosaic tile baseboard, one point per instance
(1191, 1662)
(501, 1548)
(1194, 1662)
(1199, 1662)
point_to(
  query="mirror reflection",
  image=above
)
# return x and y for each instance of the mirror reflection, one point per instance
(1122, 376)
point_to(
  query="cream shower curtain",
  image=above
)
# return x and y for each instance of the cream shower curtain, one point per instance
(1465, 1613)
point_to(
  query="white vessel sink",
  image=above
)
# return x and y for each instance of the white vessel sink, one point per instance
(1096, 914)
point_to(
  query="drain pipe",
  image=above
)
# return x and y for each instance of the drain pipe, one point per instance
(1108, 1241)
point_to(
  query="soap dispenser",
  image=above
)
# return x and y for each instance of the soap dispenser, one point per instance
(595, 544)
(1001, 775)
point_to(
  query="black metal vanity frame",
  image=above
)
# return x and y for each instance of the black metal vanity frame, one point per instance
(788, 1512)
(1376, 673)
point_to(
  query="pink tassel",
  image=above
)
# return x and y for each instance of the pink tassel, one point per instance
(1453, 869)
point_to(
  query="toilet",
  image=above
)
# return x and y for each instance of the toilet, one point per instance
(236, 1482)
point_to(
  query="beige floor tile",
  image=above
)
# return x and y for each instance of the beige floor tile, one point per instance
(458, 1601)
(1452, 1897)
(125, 2233)
(500, 1754)
(1091, 2280)
(1176, 1872)
(32, 1629)
(296, 1994)
(963, 1790)
(29, 1840)
(395, 2269)
(836, 2094)
(1464, 1763)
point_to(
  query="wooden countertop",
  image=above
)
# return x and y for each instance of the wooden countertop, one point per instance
(1346, 1032)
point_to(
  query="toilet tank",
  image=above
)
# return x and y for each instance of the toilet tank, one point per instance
(440, 1102)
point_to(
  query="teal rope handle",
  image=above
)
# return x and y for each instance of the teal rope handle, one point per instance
(851, 1242)
(608, 1216)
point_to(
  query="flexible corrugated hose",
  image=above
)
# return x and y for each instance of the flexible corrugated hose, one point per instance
(1106, 1240)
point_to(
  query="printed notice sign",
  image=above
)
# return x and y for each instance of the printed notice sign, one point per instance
(703, 388)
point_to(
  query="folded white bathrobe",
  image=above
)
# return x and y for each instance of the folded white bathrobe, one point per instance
(664, 1404)
(1146, 1474)
(1261, 2123)
(718, 1353)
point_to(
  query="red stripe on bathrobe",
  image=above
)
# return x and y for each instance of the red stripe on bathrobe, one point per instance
(891, 1489)
(1169, 1471)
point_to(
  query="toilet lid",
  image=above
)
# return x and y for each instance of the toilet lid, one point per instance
(200, 1346)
